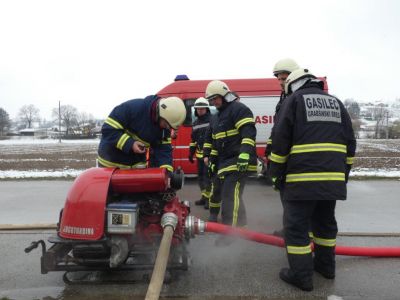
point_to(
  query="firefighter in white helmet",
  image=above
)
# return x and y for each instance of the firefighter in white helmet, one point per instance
(233, 145)
(137, 125)
(313, 148)
(199, 129)
(281, 71)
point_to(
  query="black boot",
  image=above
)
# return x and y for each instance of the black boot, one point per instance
(324, 261)
(300, 272)
(324, 273)
(206, 204)
(302, 283)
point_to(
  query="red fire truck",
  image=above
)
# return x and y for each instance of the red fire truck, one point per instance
(260, 95)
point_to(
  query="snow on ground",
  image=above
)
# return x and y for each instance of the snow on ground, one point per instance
(69, 173)
(370, 172)
(33, 140)
(29, 157)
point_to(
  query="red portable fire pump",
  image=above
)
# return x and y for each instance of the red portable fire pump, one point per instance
(113, 219)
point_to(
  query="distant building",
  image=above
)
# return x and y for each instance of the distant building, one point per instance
(38, 132)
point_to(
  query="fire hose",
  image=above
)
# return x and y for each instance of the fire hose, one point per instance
(168, 222)
(277, 241)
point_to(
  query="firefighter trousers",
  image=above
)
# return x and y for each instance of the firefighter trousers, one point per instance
(203, 179)
(298, 216)
(215, 196)
(233, 211)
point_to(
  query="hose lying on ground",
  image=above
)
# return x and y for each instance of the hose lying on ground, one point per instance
(41, 226)
(277, 241)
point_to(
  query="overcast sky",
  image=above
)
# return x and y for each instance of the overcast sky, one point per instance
(96, 54)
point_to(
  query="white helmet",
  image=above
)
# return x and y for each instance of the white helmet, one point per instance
(297, 79)
(286, 65)
(172, 110)
(201, 103)
(220, 88)
(216, 88)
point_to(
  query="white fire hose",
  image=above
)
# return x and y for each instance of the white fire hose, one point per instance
(168, 222)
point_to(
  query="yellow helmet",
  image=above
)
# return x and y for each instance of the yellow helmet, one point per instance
(172, 110)
(201, 103)
(216, 88)
(286, 65)
(295, 78)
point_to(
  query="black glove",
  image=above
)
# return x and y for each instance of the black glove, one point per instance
(191, 158)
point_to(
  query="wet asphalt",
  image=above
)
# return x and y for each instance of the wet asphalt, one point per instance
(244, 270)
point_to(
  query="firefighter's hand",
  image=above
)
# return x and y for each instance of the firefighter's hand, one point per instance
(191, 158)
(212, 169)
(243, 162)
(205, 159)
(276, 183)
(138, 147)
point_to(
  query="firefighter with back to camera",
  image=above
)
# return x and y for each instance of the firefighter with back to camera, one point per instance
(137, 125)
(312, 152)
(233, 135)
(199, 129)
(281, 71)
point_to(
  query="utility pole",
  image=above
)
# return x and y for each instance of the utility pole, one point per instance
(59, 121)
(387, 124)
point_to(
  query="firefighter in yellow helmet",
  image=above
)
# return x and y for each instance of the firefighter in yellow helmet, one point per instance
(137, 125)
(198, 136)
(233, 145)
(313, 148)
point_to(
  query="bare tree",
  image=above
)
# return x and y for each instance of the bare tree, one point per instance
(4, 121)
(356, 123)
(353, 108)
(28, 114)
(381, 115)
(394, 130)
(68, 115)
(85, 122)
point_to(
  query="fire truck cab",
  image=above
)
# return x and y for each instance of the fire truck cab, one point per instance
(260, 95)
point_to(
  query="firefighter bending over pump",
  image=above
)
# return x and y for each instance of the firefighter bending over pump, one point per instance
(137, 125)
